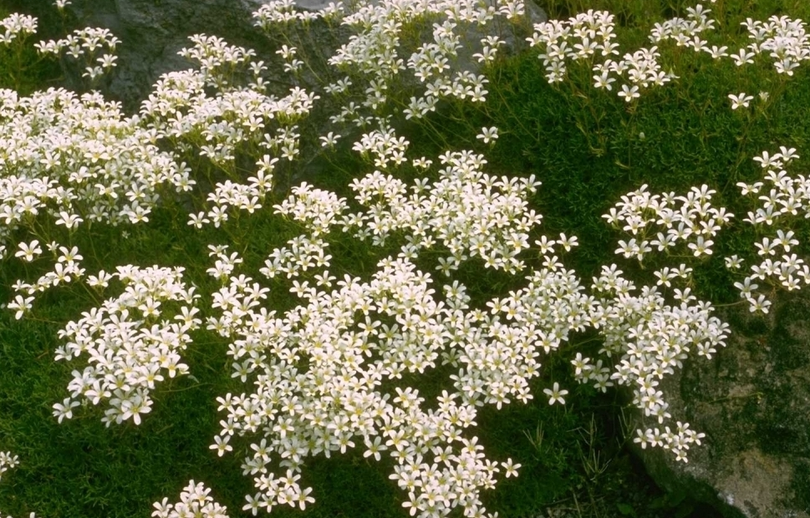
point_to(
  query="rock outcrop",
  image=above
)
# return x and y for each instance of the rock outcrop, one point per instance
(753, 403)
(153, 31)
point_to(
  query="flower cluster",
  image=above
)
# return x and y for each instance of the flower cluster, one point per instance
(649, 338)
(468, 211)
(318, 376)
(694, 222)
(587, 35)
(235, 118)
(86, 43)
(65, 270)
(130, 341)
(195, 500)
(578, 38)
(685, 32)
(375, 58)
(73, 159)
(317, 210)
(236, 121)
(783, 39)
(7, 461)
(218, 61)
(384, 146)
(781, 198)
(283, 12)
(303, 253)
(500, 351)
(590, 36)
(17, 26)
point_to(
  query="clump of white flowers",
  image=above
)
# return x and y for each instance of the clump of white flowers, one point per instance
(685, 32)
(469, 212)
(581, 37)
(195, 501)
(783, 39)
(281, 12)
(781, 198)
(589, 37)
(376, 62)
(236, 118)
(318, 374)
(499, 352)
(383, 146)
(218, 61)
(71, 160)
(662, 221)
(649, 338)
(319, 371)
(236, 121)
(66, 269)
(86, 44)
(17, 27)
(7, 462)
(317, 210)
(131, 342)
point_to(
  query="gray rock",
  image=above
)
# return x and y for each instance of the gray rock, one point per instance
(153, 31)
(753, 403)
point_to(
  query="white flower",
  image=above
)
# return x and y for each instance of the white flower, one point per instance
(488, 134)
(629, 93)
(555, 395)
(329, 140)
(21, 304)
(511, 468)
(221, 445)
(604, 80)
(740, 100)
(743, 57)
(567, 242)
(733, 262)
(65, 409)
(28, 251)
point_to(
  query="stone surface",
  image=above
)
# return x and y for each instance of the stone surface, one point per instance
(753, 403)
(153, 31)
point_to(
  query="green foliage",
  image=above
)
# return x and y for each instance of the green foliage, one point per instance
(589, 147)
(21, 67)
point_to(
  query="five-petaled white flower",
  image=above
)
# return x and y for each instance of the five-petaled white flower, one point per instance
(555, 395)
(64, 410)
(488, 134)
(629, 93)
(740, 100)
